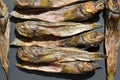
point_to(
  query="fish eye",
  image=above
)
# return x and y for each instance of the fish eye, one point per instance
(22, 27)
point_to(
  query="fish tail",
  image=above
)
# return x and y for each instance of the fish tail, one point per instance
(5, 67)
(96, 25)
(18, 42)
(99, 56)
(110, 77)
(4, 61)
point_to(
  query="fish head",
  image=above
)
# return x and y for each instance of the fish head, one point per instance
(87, 66)
(23, 29)
(24, 55)
(114, 6)
(93, 7)
(94, 37)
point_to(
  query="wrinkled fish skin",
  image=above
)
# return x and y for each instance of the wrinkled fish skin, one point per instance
(112, 37)
(76, 67)
(63, 29)
(46, 55)
(87, 40)
(4, 35)
(79, 12)
(44, 3)
(114, 6)
(3, 9)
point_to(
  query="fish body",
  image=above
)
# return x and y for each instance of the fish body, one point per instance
(112, 37)
(48, 55)
(63, 29)
(4, 35)
(44, 3)
(86, 40)
(79, 12)
(77, 67)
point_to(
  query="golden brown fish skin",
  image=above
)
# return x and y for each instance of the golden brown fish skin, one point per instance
(63, 29)
(46, 55)
(112, 44)
(86, 40)
(114, 6)
(112, 37)
(44, 3)
(3, 9)
(3, 16)
(79, 12)
(3, 23)
(4, 36)
(77, 67)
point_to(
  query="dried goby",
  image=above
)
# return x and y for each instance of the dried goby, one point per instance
(81, 11)
(113, 6)
(63, 29)
(44, 3)
(112, 37)
(77, 67)
(4, 35)
(86, 40)
(35, 54)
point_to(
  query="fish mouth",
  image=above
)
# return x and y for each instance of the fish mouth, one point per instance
(99, 6)
(94, 7)
(23, 55)
(89, 67)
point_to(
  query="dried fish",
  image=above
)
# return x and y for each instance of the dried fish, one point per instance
(44, 3)
(76, 67)
(48, 55)
(81, 11)
(114, 6)
(3, 9)
(87, 40)
(112, 37)
(63, 29)
(4, 35)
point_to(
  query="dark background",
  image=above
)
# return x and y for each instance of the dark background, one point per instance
(20, 74)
